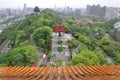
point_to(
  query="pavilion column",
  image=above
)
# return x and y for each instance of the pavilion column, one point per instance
(59, 34)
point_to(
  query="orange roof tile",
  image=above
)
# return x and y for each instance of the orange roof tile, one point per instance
(61, 73)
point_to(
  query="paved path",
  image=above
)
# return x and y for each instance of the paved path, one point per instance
(109, 37)
(64, 55)
(110, 59)
(40, 57)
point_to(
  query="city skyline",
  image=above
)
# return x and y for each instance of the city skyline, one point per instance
(57, 3)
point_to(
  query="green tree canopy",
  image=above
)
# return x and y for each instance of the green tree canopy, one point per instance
(82, 47)
(87, 57)
(105, 41)
(82, 38)
(73, 43)
(42, 36)
(117, 58)
(25, 55)
(58, 62)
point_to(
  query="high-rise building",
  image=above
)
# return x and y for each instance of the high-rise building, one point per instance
(27, 10)
(104, 12)
(117, 30)
(25, 6)
(96, 10)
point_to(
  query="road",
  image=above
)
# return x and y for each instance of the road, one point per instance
(108, 57)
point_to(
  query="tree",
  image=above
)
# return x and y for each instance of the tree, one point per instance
(87, 57)
(73, 43)
(22, 56)
(49, 55)
(60, 48)
(42, 36)
(82, 38)
(105, 41)
(59, 42)
(117, 58)
(20, 37)
(67, 29)
(58, 62)
(82, 47)
(101, 57)
(2, 38)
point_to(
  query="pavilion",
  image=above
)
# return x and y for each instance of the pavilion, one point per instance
(59, 29)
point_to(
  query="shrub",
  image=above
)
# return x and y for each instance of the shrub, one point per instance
(59, 42)
(59, 48)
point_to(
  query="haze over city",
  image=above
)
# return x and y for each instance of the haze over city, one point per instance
(58, 3)
(59, 39)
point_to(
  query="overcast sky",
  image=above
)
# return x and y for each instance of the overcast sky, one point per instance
(58, 3)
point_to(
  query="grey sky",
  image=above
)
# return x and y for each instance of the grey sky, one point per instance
(58, 3)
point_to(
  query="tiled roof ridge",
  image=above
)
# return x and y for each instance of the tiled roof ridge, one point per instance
(103, 72)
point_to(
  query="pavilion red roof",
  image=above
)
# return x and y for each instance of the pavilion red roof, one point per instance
(59, 28)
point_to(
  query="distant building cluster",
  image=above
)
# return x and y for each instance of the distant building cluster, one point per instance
(104, 12)
(13, 15)
(117, 30)
(27, 10)
(10, 12)
(67, 9)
